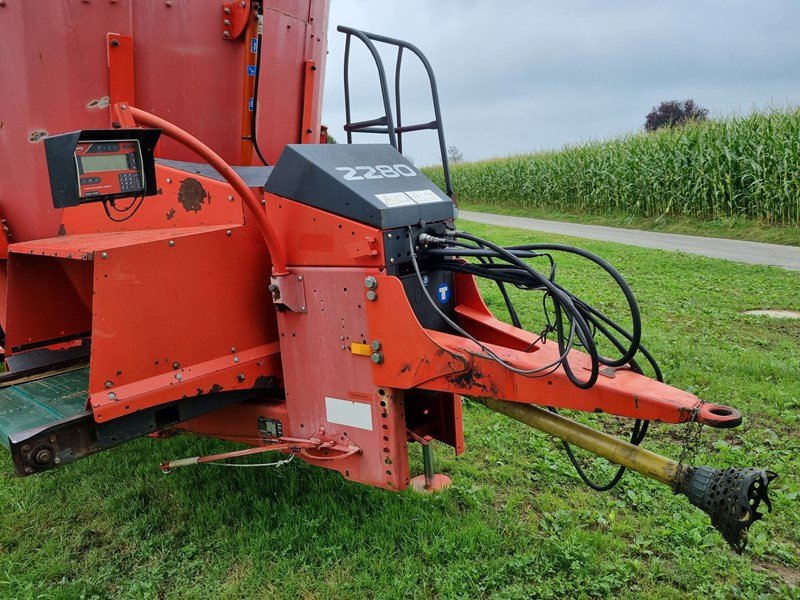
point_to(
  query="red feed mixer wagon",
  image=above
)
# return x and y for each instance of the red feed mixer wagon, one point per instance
(183, 252)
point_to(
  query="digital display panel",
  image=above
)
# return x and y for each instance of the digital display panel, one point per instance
(107, 162)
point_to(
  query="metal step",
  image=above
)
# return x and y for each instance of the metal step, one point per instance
(42, 402)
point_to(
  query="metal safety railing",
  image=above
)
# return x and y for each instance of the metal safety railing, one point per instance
(391, 123)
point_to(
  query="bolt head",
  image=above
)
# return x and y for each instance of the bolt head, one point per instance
(230, 197)
(377, 358)
(109, 384)
(370, 283)
(169, 179)
(176, 365)
(303, 309)
(375, 345)
(391, 260)
(178, 376)
(233, 349)
(372, 295)
(240, 377)
(228, 233)
(104, 255)
(236, 359)
(171, 243)
(227, 23)
(112, 396)
(226, 34)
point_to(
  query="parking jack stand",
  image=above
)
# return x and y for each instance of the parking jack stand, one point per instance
(429, 481)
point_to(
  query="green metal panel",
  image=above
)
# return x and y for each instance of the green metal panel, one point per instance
(42, 402)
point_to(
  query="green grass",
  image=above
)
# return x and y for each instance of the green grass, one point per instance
(736, 168)
(517, 523)
(730, 228)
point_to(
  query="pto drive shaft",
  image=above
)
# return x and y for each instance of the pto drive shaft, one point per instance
(731, 496)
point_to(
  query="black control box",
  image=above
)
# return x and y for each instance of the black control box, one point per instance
(101, 164)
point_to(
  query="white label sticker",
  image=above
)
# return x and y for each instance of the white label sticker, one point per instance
(347, 412)
(424, 196)
(395, 199)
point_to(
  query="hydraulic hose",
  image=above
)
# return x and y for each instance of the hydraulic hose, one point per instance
(171, 130)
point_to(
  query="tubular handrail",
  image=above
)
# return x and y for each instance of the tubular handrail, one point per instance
(394, 130)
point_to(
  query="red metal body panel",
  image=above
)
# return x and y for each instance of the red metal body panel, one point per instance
(152, 291)
(315, 237)
(56, 78)
(319, 367)
(451, 363)
(185, 200)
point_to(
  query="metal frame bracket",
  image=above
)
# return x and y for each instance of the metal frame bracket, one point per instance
(290, 292)
(234, 19)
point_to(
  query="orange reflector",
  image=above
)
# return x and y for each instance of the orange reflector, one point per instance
(362, 349)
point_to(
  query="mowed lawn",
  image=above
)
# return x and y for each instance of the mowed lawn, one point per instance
(517, 523)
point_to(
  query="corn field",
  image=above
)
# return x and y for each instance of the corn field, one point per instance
(740, 167)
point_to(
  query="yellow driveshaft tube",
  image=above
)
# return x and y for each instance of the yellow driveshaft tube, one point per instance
(730, 496)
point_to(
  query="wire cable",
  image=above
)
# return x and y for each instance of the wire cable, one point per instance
(506, 266)
(126, 211)
(253, 138)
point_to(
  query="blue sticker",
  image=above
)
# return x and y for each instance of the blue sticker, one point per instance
(251, 70)
(250, 104)
(443, 293)
(254, 45)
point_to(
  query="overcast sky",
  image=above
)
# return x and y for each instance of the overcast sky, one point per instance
(519, 76)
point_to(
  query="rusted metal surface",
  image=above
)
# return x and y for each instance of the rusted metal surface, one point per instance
(192, 195)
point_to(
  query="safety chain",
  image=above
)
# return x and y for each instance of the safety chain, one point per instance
(691, 442)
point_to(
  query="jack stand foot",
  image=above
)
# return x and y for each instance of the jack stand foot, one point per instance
(439, 482)
(429, 482)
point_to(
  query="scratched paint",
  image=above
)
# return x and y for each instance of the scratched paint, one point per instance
(37, 135)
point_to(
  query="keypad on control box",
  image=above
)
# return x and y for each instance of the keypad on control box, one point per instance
(129, 182)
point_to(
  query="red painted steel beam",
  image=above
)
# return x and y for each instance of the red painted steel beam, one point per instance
(414, 357)
(171, 130)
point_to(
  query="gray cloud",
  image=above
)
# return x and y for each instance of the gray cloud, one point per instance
(521, 76)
